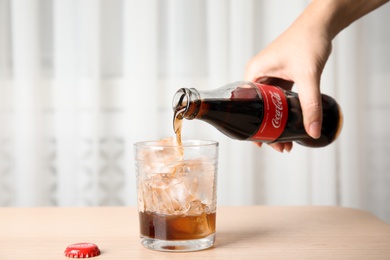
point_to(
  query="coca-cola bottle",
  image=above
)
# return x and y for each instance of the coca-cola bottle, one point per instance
(257, 112)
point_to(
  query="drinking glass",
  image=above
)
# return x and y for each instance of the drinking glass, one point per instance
(177, 194)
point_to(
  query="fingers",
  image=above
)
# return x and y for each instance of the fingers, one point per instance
(280, 147)
(258, 144)
(252, 70)
(262, 69)
(310, 99)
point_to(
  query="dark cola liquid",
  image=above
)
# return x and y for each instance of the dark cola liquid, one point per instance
(240, 117)
(176, 227)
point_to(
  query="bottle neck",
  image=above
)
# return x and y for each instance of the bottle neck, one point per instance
(186, 103)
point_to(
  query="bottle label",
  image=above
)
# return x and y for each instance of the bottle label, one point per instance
(275, 113)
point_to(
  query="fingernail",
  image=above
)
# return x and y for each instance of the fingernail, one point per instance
(315, 129)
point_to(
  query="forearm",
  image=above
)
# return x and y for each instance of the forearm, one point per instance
(332, 16)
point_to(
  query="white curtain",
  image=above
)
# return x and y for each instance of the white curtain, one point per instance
(81, 81)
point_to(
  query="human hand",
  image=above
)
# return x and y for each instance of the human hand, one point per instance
(298, 56)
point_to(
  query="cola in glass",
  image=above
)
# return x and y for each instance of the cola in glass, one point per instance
(176, 191)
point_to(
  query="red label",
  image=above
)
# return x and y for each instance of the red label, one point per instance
(275, 113)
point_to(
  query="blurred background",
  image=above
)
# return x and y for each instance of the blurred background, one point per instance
(81, 81)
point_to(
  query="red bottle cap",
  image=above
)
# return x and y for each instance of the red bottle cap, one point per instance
(82, 250)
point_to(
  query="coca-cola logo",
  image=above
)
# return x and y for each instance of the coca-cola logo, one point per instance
(277, 101)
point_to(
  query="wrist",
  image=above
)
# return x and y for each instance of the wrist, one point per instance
(332, 16)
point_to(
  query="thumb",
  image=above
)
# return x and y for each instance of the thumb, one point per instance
(310, 100)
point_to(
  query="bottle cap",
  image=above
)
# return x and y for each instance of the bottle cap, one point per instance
(82, 250)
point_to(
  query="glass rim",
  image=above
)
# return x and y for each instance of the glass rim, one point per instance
(185, 143)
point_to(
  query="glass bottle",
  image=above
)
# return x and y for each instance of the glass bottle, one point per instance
(257, 112)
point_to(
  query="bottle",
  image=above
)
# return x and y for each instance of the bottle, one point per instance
(257, 112)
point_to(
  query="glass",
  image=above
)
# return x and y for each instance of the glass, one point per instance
(177, 194)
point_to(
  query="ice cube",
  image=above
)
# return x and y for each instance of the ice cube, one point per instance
(186, 225)
(165, 194)
(165, 151)
(172, 185)
(199, 180)
(163, 158)
(196, 207)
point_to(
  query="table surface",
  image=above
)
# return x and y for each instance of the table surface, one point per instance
(243, 232)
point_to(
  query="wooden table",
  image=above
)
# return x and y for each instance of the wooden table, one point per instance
(250, 232)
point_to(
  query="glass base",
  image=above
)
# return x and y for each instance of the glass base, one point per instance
(178, 245)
